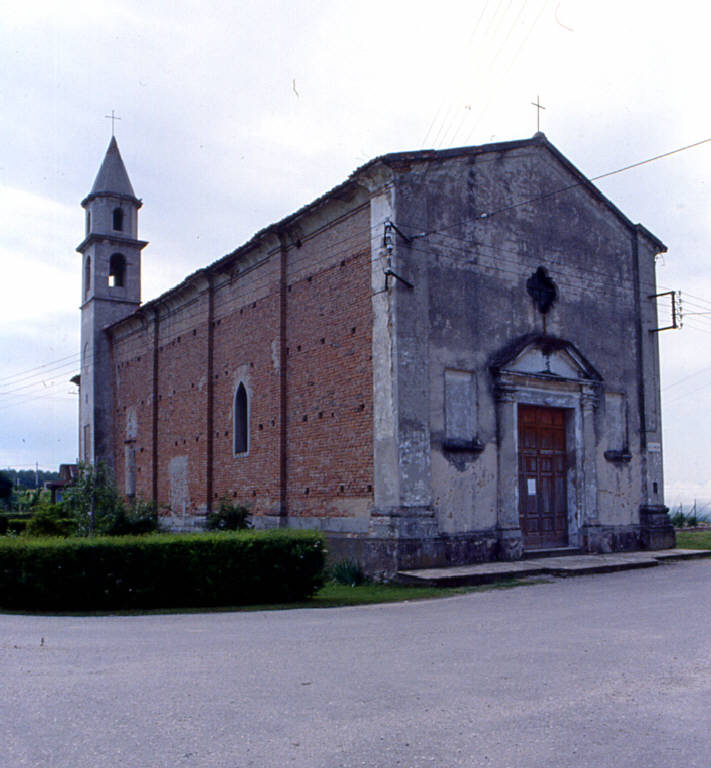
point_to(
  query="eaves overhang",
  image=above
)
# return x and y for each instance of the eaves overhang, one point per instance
(394, 163)
(98, 237)
(136, 201)
(400, 161)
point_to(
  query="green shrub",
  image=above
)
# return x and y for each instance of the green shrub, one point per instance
(678, 519)
(140, 518)
(348, 573)
(50, 520)
(17, 525)
(13, 522)
(229, 517)
(160, 570)
(93, 501)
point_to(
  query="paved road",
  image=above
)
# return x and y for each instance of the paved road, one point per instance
(608, 670)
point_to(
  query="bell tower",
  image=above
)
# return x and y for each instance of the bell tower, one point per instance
(111, 290)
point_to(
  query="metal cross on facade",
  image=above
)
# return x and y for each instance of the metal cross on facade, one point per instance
(539, 107)
(113, 118)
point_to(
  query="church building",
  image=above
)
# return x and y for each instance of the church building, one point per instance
(450, 357)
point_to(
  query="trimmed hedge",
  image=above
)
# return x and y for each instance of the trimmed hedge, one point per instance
(13, 522)
(160, 570)
(48, 521)
(16, 525)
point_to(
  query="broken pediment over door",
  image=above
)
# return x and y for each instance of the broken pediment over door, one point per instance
(546, 395)
(544, 356)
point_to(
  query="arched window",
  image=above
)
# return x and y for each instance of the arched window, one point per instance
(118, 219)
(241, 421)
(117, 270)
(87, 275)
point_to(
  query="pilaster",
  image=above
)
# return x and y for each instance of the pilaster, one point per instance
(591, 531)
(508, 526)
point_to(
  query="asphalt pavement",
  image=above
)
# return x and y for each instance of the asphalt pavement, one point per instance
(593, 671)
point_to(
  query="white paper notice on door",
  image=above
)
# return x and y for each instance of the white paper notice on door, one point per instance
(531, 486)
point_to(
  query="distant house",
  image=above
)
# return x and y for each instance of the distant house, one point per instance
(68, 475)
(448, 357)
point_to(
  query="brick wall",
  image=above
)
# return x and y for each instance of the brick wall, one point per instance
(182, 408)
(246, 339)
(329, 374)
(295, 328)
(133, 367)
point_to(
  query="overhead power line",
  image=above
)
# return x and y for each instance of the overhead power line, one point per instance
(60, 365)
(15, 378)
(553, 193)
(652, 159)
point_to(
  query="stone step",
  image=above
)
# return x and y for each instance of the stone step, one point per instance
(680, 554)
(568, 565)
(581, 564)
(469, 575)
(535, 554)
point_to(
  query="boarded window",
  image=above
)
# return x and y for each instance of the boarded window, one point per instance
(616, 418)
(241, 420)
(130, 473)
(460, 405)
(179, 488)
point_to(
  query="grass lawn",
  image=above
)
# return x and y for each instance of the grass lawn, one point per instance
(332, 595)
(693, 539)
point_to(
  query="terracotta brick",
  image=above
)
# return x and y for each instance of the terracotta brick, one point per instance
(327, 387)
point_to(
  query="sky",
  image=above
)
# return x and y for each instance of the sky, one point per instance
(234, 114)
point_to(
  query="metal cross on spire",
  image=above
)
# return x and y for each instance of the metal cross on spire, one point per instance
(537, 104)
(113, 119)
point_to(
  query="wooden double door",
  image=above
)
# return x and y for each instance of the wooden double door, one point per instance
(543, 508)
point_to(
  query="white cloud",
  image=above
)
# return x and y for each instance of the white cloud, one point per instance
(38, 258)
(218, 144)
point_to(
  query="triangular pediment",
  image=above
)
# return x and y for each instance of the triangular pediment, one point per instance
(545, 356)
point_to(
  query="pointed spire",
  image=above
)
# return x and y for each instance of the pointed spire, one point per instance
(112, 176)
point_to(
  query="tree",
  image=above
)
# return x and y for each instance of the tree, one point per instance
(25, 479)
(97, 508)
(5, 489)
(93, 501)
